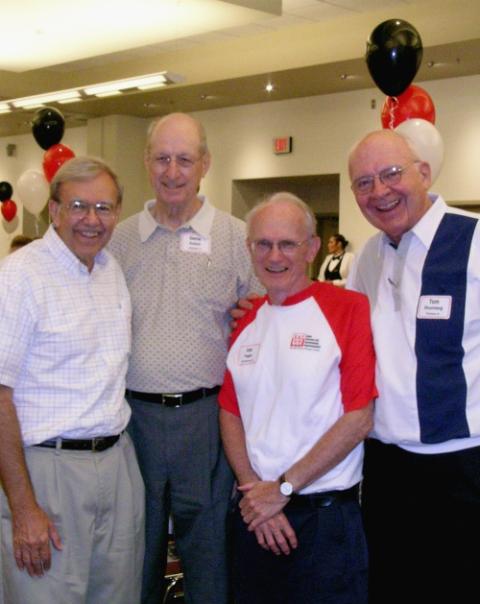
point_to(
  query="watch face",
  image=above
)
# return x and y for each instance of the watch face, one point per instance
(286, 488)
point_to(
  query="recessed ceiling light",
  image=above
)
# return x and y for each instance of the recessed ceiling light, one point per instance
(269, 87)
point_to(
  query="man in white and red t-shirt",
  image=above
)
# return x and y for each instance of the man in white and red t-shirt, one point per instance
(296, 405)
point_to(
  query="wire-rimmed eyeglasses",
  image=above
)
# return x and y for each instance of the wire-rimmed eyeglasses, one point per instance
(390, 176)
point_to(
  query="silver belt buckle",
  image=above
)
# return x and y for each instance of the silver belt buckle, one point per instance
(176, 396)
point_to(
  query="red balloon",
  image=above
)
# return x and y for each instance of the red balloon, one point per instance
(9, 210)
(54, 158)
(413, 103)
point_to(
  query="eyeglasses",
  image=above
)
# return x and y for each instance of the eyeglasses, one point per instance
(262, 247)
(182, 161)
(389, 177)
(80, 209)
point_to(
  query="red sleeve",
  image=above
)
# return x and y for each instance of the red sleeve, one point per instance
(348, 314)
(227, 397)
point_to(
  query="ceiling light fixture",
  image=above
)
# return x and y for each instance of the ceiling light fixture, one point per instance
(115, 87)
(40, 99)
(269, 87)
(156, 79)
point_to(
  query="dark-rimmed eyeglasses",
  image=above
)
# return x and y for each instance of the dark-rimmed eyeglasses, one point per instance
(390, 176)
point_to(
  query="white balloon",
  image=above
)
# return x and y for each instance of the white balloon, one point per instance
(426, 142)
(33, 190)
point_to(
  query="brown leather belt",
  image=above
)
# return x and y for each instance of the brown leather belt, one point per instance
(173, 399)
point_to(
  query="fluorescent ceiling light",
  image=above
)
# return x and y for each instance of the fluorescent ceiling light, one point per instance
(152, 80)
(116, 87)
(150, 86)
(41, 99)
(101, 95)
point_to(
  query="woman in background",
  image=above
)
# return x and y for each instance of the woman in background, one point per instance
(337, 264)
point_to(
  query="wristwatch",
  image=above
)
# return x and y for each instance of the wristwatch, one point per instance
(286, 488)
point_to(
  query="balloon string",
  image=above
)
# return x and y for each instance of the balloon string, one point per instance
(392, 108)
(37, 228)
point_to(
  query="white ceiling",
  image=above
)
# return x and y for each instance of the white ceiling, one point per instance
(226, 50)
(39, 33)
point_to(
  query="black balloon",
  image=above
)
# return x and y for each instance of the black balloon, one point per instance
(394, 53)
(6, 191)
(48, 126)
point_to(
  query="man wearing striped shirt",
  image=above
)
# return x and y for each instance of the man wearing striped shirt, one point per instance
(421, 490)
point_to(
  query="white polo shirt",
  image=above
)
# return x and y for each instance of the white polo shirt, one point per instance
(183, 284)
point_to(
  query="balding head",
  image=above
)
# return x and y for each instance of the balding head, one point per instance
(178, 118)
(390, 182)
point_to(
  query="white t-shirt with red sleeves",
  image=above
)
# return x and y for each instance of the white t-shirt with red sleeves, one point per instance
(293, 370)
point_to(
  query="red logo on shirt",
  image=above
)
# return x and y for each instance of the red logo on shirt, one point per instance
(298, 340)
(304, 341)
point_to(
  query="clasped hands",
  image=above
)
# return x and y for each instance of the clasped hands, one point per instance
(261, 509)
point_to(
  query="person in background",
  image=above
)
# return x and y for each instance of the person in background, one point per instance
(337, 264)
(186, 265)
(296, 405)
(421, 489)
(72, 496)
(18, 242)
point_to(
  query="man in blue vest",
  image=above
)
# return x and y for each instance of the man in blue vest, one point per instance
(421, 489)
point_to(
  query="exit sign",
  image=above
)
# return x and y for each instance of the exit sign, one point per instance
(282, 145)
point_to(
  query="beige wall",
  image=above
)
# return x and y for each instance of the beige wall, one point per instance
(120, 140)
(240, 138)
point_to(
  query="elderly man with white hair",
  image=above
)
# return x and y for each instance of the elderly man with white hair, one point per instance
(296, 405)
(421, 491)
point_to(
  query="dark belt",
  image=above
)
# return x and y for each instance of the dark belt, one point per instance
(322, 500)
(173, 399)
(99, 443)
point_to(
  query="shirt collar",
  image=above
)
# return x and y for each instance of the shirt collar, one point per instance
(426, 227)
(63, 254)
(201, 222)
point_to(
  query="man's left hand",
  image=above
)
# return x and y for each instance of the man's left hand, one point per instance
(261, 501)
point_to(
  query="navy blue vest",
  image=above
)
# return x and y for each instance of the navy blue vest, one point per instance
(440, 380)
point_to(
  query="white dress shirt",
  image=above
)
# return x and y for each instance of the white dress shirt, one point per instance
(64, 341)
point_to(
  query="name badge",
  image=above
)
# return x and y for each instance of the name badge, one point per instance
(193, 242)
(434, 307)
(248, 355)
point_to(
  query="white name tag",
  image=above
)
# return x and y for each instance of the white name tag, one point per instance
(434, 307)
(248, 355)
(192, 242)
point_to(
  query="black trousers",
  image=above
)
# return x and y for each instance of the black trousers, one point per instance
(328, 567)
(422, 521)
